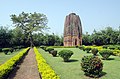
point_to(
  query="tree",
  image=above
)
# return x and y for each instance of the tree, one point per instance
(17, 37)
(5, 37)
(29, 23)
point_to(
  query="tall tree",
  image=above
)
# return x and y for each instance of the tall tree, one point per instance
(29, 23)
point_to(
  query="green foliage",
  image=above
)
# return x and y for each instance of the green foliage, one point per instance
(81, 47)
(105, 53)
(87, 49)
(118, 47)
(7, 67)
(86, 39)
(94, 51)
(92, 66)
(63, 46)
(0, 49)
(5, 37)
(54, 53)
(43, 47)
(11, 50)
(103, 37)
(65, 54)
(49, 49)
(105, 46)
(29, 23)
(116, 52)
(6, 50)
(44, 69)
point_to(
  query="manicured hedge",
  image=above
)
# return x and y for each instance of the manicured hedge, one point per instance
(63, 46)
(6, 68)
(105, 53)
(92, 66)
(44, 69)
(65, 54)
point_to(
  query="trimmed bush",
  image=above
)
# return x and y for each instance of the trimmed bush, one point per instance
(76, 46)
(6, 50)
(87, 49)
(105, 53)
(49, 49)
(118, 47)
(65, 54)
(44, 69)
(116, 52)
(43, 47)
(105, 46)
(94, 51)
(92, 66)
(81, 47)
(11, 50)
(54, 53)
(63, 46)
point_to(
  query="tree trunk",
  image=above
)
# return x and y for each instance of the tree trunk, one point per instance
(31, 40)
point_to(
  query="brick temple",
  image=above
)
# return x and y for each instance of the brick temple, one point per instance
(72, 30)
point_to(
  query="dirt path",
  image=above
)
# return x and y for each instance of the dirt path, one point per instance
(27, 69)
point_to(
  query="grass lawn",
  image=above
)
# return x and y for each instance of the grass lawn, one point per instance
(72, 69)
(4, 58)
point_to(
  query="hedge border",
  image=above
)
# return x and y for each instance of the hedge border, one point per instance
(44, 69)
(8, 66)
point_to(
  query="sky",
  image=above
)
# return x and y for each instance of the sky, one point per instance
(94, 14)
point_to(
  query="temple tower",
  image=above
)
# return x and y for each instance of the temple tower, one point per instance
(72, 30)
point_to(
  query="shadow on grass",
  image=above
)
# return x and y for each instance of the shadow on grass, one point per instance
(109, 59)
(101, 75)
(72, 60)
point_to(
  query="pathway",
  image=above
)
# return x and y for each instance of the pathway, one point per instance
(27, 69)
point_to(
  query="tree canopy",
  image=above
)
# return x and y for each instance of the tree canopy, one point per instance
(29, 23)
(103, 37)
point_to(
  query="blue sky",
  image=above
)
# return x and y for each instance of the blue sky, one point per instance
(94, 14)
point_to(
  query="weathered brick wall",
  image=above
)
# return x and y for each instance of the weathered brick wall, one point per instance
(72, 30)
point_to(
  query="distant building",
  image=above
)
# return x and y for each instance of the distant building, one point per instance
(72, 30)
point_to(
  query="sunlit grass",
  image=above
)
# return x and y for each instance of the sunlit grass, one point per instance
(4, 58)
(72, 69)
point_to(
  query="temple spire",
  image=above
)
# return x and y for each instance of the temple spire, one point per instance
(72, 30)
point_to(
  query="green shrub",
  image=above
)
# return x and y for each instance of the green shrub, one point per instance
(112, 47)
(43, 47)
(65, 54)
(54, 53)
(84, 49)
(11, 50)
(8, 66)
(105, 53)
(92, 66)
(49, 49)
(118, 47)
(6, 50)
(105, 46)
(18, 47)
(88, 49)
(63, 46)
(116, 52)
(44, 69)
(76, 46)
(81, 47)
(94, 51)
